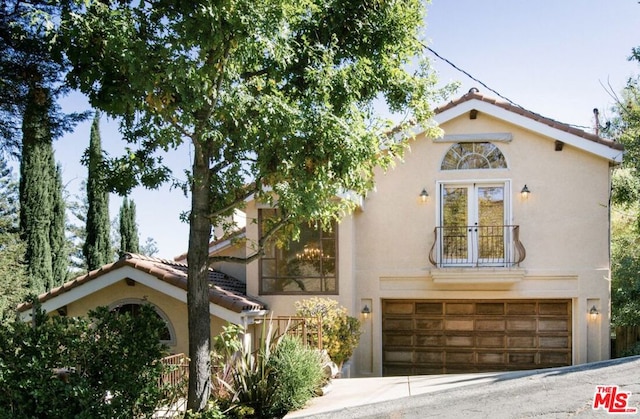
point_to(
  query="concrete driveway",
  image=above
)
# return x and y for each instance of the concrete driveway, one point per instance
(549, 393)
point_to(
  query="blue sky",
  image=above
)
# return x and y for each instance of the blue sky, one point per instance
(554, 57)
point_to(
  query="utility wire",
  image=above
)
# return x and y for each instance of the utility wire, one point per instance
(466, 73)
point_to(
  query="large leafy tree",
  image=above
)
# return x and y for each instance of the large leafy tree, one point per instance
(275, 98)
(97, 245)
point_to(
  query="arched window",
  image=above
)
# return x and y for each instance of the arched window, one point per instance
(132, 306)
(464, 156)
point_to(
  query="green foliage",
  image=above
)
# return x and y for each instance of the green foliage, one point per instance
(59, 243)
(104, 366)
(340, 332)
(129, 239)
(282, 375)
(97, 245)
(633, 351)
(625, 265)
(298, 373)
(37, 172)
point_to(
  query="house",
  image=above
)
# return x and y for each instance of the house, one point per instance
(485, 249)
(136, 279)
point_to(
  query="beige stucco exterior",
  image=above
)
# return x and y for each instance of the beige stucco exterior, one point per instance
(564, 226)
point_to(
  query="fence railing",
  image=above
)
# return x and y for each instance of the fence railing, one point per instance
(476, 246)
(179, 371)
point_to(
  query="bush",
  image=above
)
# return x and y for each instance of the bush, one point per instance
(281, 375)
(340, 332)
(298, 372)
(104, 366)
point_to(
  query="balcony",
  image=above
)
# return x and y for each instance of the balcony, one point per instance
(477, 246)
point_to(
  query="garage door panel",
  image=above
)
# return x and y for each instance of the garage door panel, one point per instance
(398, 324)
(490, 341)
(490, 308)
(429, 308)
(458, 324)
(522, 324)
(553, 325)
(429, 324)
(521, 341)
(459, 341)
(490, 325)
(447, 336)
(521, 308)
(426, 340)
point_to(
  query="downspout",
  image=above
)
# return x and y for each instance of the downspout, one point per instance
(248, 318)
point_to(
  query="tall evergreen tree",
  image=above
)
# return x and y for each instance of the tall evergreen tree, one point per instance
(129, 239)
(37, 172)
(97, 246)
(59, 248)
(12, 268)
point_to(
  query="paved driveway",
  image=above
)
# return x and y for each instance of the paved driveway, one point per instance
(551, 393)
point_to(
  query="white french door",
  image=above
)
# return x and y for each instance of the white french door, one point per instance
(473, 217)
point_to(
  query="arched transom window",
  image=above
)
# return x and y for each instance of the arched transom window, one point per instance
(132, 307)
(464, 156)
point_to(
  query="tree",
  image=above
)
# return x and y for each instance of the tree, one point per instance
(97, 245)
(12, 267)
(57, 234)
(276, 99)
(129, 240)
(37, 172)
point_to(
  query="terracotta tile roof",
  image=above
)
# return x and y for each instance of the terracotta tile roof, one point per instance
(473, 94)
(224, 290)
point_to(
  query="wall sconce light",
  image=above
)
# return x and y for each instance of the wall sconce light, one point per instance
(424, 195)
(525, 192)
(366, 311)
(593, 313)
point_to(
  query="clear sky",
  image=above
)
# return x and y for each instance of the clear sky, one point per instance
(554, 57)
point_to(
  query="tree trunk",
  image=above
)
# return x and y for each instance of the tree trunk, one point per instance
(198, 286)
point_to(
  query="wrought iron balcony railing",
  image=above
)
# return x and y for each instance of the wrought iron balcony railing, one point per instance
(477, 246)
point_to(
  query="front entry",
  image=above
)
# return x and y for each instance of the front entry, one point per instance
(460, 336)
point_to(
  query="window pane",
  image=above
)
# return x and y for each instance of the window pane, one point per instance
(464, 156)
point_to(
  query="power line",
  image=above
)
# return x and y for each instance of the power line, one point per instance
(466, 73)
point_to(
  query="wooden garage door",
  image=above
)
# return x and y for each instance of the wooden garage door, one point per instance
(455, 336)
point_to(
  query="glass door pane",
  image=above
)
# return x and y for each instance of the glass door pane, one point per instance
(491, 220)
(455, 215)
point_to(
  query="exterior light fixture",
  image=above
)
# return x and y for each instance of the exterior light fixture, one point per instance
(424, 195)
(593, 313)
(525, 192)
(366, 311)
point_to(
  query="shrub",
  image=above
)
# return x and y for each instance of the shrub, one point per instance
(340, 332)
(104, 366)
(298, 372)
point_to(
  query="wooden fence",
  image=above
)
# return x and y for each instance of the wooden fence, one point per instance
(626, 338)
(178, 374)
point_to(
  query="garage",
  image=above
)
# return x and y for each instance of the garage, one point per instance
(457, 336)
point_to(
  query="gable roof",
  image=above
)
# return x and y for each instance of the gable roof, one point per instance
(218, 245)
(551, 128)
(224, 291)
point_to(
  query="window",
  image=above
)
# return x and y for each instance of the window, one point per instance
(132, 307)
(464, 156)
(306, 266)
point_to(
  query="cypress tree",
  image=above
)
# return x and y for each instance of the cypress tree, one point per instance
(36, 184)
(97, 246)
(129, 239)
(59, 255)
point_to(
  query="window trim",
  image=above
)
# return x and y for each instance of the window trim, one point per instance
(457, 169)
(261, 289)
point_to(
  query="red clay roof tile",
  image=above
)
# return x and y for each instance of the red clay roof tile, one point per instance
(224, 290)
